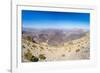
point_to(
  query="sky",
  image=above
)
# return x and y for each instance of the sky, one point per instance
(58, 20)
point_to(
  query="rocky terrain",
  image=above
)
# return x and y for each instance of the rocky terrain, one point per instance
(55, 45)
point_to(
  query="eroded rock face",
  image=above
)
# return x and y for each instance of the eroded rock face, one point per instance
(54, 36)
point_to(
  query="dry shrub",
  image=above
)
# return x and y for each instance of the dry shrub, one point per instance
(42, 57)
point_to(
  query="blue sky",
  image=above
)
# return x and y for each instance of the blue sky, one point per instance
(61, 20)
